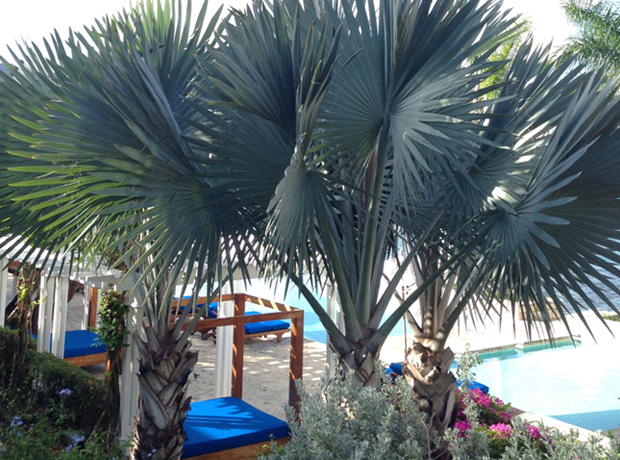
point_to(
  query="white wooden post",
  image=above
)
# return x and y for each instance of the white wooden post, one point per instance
(4, 278)
(223, 348)
(331, 311)
(15, 279)
(86, 306)
(46, 308)
(335, 313)
(60, 317)
(130, 388)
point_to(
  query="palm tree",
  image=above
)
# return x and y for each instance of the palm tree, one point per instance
(318, 139)
(598, 33)
(485, 198)
(111, 86)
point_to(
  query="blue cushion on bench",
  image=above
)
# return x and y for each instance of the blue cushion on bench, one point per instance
(80, 343)
(264, 326)
(226, 423)
(397, 368)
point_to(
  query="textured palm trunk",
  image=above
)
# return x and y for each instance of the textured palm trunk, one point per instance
(428, 373)
(362, 363)
(163, 403)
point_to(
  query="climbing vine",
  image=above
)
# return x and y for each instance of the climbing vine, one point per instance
(26, 287)
(112, 329)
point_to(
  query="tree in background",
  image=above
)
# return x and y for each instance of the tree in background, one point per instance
(598, 36)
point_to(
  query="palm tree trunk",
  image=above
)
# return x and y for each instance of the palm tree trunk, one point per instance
(163, 402)
(428, 373)
(362, 362)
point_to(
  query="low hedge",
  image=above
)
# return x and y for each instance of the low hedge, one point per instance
(49, 375)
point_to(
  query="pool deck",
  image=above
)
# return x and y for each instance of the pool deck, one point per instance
(267, 362)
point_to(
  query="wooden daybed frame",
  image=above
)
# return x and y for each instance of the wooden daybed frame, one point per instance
(239, 453)
(296, 316)
(206, 334)
(239, 336)
(238, 321)
(96, 358)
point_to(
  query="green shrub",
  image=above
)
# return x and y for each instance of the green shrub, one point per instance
(343, 421)
(43, 439)
(50, 375)
(8, 342)
(52, 413)
(47, 376)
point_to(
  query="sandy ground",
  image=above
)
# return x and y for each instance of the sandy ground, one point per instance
(265, 383)
(265, 371)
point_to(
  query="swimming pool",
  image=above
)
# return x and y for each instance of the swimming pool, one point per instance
(313, 328)
(574, 385)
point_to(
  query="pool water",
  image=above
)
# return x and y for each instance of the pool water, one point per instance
(313, 328)
(574, 385)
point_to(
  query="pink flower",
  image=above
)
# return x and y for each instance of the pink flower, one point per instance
(534, 432)
(463, 427)
(500, 429)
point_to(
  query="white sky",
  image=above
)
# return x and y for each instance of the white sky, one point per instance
(34, 19)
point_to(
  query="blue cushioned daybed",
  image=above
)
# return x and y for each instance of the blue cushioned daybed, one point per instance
(259, 329)
(397, 368)
(83, 348)
(262, 328)
(228, 428)
(82, 343)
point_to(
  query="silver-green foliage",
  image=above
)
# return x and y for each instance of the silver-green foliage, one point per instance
(344, 421)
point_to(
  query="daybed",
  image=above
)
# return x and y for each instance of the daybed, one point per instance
(83, 348)
(229, 429)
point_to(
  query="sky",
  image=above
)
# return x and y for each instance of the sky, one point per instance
(33, 19)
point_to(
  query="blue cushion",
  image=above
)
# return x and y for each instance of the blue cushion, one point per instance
(264, 326)
(255, 328)
(397, 368)
(276, 324)
(82, 343)
(473, 385)
(225, 423)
